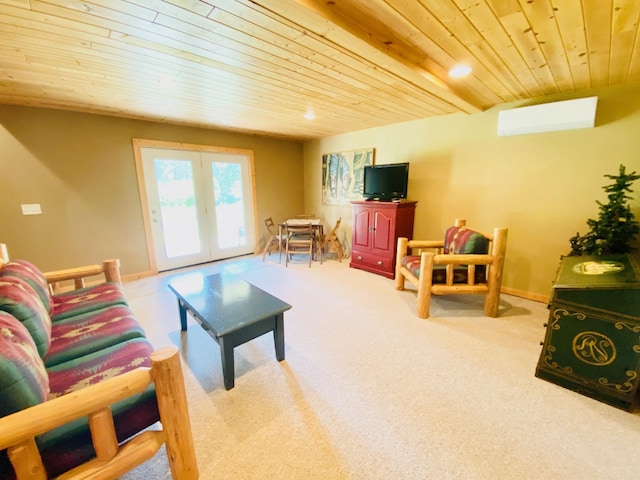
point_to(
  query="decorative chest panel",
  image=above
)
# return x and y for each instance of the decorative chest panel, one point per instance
(592, 342)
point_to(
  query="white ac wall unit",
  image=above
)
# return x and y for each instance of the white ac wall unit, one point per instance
(548, 117)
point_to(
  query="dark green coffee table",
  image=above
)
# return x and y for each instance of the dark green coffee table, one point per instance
(231, 311)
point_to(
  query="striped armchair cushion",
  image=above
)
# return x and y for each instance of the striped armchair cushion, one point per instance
(462, 240)
(412, 263)
(457, 240)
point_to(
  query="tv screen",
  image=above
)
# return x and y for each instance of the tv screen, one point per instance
(386, 182)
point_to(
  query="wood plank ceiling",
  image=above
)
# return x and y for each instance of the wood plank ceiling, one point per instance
(258, 66)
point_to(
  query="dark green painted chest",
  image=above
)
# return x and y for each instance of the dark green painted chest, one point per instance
(592, 342)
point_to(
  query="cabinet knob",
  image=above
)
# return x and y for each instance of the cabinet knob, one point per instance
(544, 325)
(542, 343)
(359, 257)
(379, 262)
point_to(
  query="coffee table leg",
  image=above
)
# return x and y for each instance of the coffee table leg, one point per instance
(228, 368)
(278, 336)
(183, 316)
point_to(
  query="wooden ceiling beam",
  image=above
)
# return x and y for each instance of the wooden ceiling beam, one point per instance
(320, 20)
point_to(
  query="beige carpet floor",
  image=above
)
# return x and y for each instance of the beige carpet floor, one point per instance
(370, 391)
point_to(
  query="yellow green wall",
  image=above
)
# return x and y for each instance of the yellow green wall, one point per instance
(81, 169)
(543, 187)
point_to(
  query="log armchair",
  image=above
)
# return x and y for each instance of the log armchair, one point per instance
(464, 261)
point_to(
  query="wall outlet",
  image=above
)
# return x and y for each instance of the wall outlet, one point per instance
(31, 209)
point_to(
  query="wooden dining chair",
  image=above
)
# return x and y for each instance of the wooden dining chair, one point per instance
(274, 239)
(306, 216)
(332, 242)
(300, 238)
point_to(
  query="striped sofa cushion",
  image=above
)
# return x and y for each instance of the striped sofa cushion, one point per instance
(70, 445)
(86, 299)
(89, 332)
(23, 378)
(32, 275)
(20, 300)
(63, 449)
(90, 369)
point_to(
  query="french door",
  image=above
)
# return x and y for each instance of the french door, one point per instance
(200, 205)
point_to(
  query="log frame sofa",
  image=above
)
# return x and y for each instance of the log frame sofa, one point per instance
(117, 410)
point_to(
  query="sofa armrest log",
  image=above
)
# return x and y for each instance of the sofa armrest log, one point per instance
(18, 431)
(4, 253)
(110, 269)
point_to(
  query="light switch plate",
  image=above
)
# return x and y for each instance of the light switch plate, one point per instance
(31, 209)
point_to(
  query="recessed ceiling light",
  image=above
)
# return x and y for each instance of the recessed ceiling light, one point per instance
(309, 115)
(460, 71)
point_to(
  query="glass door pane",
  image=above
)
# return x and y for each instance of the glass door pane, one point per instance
(177, 200)
(228, 200)
(174, 198)
(232, 219)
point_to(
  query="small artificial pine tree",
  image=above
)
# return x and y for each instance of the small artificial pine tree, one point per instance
(616, 227)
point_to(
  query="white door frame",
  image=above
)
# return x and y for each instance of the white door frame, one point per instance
(139, 144)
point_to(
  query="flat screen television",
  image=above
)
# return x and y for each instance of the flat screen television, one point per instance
(386, 182)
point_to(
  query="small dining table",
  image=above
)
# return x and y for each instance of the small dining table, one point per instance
(315, 223)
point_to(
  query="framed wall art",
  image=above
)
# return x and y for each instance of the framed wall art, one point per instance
(342, 175)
